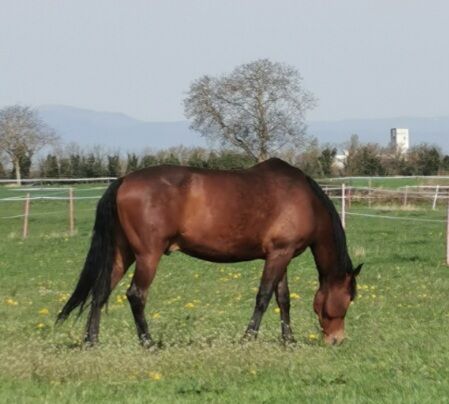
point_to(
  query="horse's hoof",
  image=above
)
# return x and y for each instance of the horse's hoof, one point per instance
(249, 335)
(148, 344)
(289, 340)
(89, 344)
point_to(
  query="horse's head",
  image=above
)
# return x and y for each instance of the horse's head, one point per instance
(331, 303)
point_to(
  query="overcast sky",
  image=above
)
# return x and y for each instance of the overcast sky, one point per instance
(362, 59)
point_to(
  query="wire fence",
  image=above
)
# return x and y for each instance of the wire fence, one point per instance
(428, 198)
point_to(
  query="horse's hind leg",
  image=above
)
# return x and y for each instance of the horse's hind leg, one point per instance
(283, 300)
(274, 270)
(122, 261)
(146, 265)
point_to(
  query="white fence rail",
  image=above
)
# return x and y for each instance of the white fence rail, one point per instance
(57, 180)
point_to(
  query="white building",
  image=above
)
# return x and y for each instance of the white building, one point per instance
(400, 139)
(340, 160)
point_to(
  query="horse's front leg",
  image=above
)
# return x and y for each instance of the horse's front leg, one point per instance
(273, 272)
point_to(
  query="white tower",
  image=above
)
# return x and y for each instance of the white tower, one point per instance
(400, 140)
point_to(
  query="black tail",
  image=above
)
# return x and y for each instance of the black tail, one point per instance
(95, 278)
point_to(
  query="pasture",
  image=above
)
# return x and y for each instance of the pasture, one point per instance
(397, 346)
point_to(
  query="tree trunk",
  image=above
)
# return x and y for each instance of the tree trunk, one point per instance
(263, 154)
(18, 175)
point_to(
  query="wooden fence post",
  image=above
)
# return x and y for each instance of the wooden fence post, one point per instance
(405, 196)
(71, 213)
(26, 214)
(369, 192)
(343, 205)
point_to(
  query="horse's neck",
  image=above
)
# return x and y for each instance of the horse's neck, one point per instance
(329, 257)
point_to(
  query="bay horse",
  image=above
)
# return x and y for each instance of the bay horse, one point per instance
(271, 211)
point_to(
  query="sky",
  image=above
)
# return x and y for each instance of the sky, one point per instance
(361, 59)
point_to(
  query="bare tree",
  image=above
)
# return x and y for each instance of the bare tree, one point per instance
(259, 107)
(22, 133)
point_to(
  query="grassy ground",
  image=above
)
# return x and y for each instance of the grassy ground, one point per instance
(397, 348)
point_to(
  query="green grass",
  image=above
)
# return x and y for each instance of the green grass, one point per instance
(397, 348)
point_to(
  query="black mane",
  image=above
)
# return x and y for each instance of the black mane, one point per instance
(345, 263)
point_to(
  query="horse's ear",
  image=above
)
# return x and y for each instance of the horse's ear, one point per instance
(357, 270)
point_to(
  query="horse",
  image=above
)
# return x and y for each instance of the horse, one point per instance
(270, 211)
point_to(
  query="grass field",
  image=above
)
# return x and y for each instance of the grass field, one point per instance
(397, 348)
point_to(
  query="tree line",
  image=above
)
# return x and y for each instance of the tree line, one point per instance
(362, 159)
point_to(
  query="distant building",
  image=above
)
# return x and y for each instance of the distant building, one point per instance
(340, 160)
(400, 140)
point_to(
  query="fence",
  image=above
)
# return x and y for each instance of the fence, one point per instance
(426, 195)
(31, 195)
(57, 180)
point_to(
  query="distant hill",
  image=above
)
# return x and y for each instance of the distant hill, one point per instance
(119, 131)
(116, 130)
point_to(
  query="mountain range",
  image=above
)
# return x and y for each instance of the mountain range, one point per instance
(118, 131)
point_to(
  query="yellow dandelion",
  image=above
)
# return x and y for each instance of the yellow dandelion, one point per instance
(312, 337)
(119, 299)
(40, 326)
(156, 315)
(277, 310)
(189, 306)
(11, 302)
(155, 376)
(294, 296)
(237, 276)
(253, 372)
(63, 297)
(43, 311)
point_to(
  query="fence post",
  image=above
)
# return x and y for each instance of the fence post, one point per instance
(447, 234)
(435, 198)
(26, 214)
(405, 196)
(343, 205)
(369, 192)
(71, 213)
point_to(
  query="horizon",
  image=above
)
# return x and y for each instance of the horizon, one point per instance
(38, 107)
(89, 128)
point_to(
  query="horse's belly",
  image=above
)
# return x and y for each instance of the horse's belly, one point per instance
(218, 249)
